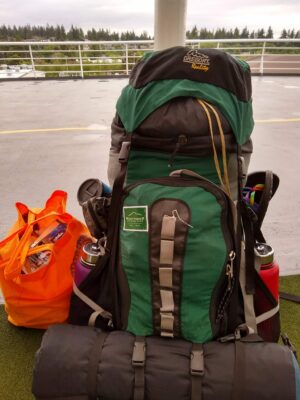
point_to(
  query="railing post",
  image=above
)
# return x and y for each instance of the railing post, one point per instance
(80, 61)
(261, 68)
(218, 45)
(126, 57)
(32, 61)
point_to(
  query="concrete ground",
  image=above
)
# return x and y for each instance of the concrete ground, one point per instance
(55, 134)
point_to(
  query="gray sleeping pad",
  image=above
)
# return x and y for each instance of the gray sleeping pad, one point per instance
(82, 363)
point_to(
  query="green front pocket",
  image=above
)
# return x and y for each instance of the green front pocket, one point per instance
(201, 247)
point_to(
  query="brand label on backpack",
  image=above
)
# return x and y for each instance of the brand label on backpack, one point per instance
(198, 60)
(135, 218)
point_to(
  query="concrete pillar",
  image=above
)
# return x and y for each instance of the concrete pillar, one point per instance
(170, 23)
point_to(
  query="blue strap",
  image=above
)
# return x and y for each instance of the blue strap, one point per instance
(297, 377)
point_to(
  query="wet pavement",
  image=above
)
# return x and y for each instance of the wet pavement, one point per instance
(76, 117)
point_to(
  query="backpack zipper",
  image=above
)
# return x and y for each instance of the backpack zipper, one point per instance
(229, 288)
(181, 140)
(229, 270)
(176, 215)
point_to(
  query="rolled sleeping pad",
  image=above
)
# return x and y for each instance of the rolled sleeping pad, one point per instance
(83, 363)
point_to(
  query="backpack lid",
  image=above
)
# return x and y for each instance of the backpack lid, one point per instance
(208, 74)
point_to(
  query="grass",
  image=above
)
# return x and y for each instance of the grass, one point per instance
(290, 312)
(17, 349)
(18, 345)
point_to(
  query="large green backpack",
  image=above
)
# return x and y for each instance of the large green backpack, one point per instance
(175, 245)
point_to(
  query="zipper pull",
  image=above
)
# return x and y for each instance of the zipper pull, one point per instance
(229, 270)
(182, 139)
(175, 214)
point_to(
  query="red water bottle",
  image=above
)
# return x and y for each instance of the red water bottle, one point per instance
(267, 293)
(269, 268)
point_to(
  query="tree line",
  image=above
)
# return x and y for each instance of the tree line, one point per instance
(60, 33)
(236, 33)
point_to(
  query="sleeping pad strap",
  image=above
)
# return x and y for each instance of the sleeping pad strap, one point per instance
(197, 371)
(138, 363)
(95, 359)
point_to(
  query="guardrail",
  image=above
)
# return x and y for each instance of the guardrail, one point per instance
(112, 58)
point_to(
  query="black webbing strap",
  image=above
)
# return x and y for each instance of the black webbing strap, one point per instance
(240, 172)
(249, 249)
(114, 218)
(290, 297)
(263, 206)
(243, 214)
(239, 372)
(265, 198)
(197, 371)
(116, 198)
(138, 363)
(95, 359)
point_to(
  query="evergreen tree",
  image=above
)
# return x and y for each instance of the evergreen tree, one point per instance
(193, 34)
(220, 33)
(206, 34)
(75, 34)
(236, 33)
(245, 33)
(261, 33)
(270, 33)
(144, 36)
(291, 34)
(283, 34)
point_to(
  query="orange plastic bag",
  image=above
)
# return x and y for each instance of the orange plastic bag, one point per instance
(40, 298)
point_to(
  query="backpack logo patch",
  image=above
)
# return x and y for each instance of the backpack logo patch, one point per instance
(198, 60)
(135, 218)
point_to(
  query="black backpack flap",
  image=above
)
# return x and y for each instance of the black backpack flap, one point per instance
(180, 118)
(210, 66)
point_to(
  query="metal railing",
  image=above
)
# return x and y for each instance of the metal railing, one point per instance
(113, 58)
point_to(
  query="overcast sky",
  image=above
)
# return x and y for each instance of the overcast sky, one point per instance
(139, 14)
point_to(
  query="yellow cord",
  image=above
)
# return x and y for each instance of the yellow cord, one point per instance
(226, 185)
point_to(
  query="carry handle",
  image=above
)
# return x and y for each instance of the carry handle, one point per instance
(14, 266)
(192, 174)
(56, 203)
(187, 172)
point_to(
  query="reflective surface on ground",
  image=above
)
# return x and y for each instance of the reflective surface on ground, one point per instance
(75, 118)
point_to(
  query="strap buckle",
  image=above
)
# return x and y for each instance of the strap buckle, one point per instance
(124, 152)
(139, 354)
(197, 362)
(242, 167)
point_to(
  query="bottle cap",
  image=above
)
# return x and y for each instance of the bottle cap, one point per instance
(92, 188)
(91, 253)
(265, 253)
